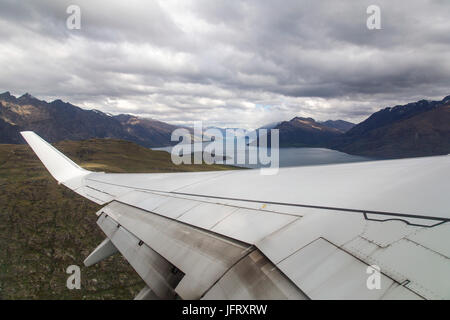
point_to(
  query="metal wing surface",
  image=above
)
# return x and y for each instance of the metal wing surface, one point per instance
(371, 230)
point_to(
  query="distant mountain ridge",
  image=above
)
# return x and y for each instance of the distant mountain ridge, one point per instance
(419, 128)
(58, 120)
(340, 125)
(390, 115)
(306, 132)
(416, 129)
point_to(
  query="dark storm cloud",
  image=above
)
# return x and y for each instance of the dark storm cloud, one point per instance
(236, 63)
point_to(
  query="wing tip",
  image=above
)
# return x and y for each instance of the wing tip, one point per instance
(59, 165)
(27, 134)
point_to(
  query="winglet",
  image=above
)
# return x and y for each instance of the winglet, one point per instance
(59, 166)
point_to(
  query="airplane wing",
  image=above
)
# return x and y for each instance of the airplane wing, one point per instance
(371, 230)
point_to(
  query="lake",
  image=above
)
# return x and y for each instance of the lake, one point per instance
(294, 157)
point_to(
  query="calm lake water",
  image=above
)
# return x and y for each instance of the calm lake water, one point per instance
(294, 157)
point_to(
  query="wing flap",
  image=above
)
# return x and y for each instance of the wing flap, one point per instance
(202, 256)
(158, 273)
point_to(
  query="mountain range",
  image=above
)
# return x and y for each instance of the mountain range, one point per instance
(416, 129)
(306, 132)
(58, 120)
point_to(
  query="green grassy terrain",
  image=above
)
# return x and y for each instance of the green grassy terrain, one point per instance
(44, 227)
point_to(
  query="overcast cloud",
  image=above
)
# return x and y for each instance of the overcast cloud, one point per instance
(229, 63)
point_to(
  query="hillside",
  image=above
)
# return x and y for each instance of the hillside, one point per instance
(306, 132)
(391, 115)
(45, 227)
(340, 125)
(424, 134)
(58, 120)
(416, 129)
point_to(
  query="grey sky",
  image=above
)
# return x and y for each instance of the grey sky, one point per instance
(229, 63)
